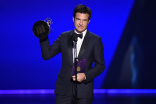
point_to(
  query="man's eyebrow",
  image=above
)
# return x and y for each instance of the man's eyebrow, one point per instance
(83, 19)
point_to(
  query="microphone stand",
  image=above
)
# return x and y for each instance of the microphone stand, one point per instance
(75, 61)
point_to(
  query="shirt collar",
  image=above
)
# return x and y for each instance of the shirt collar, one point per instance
(84, 33)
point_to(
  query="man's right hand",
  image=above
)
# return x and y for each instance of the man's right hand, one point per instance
(80, 77)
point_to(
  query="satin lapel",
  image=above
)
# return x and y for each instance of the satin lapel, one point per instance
(84, 44)
(70, 46)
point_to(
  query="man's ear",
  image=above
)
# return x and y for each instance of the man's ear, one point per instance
(73, 19)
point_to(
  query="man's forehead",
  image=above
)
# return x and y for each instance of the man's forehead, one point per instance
(82, 15)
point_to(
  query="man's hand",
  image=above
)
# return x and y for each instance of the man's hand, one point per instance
(80, 77)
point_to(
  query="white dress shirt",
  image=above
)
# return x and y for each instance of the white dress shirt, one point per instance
(79, 43)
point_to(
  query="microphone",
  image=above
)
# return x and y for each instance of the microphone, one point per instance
(75, 37)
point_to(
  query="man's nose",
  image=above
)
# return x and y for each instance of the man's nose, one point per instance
(81, 22)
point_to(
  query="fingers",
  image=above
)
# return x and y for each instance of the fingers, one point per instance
(74, 78)
(80, 77)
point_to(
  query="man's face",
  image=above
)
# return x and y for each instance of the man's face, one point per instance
(81, 22)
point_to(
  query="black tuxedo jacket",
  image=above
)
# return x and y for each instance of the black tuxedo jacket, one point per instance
(91, 49)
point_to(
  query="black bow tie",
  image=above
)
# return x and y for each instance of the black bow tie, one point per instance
(80, 35)
(75, 35)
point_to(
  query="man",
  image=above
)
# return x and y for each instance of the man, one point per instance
(90, 47)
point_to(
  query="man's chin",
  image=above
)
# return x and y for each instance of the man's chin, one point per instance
(80, 31)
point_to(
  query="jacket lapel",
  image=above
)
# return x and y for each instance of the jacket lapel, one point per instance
(84, 44)
(70, 45)
(83, 47)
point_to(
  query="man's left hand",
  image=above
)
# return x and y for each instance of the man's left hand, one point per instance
(80, 77)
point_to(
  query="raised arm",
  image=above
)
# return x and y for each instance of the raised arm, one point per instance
(50, 51)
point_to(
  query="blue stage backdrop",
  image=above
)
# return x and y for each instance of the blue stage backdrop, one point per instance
(21, 63)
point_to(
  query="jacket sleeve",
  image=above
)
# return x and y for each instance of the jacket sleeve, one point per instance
(99, 62)
(50, 51)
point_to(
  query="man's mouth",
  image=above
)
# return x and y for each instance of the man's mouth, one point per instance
(80, 26)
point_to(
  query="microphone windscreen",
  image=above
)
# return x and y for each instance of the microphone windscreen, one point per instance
(75, 37)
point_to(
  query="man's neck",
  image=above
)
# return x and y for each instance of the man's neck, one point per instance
(81, 32)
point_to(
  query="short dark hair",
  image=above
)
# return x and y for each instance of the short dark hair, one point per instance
(82, 9)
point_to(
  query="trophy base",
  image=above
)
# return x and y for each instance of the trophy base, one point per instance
(41, 29)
